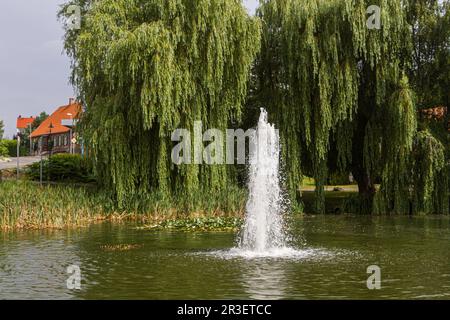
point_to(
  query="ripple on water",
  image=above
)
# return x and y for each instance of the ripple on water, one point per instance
(286, 253)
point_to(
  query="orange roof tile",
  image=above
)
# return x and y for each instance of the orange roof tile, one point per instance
(55, 119)
(437, 113)
(23, 123)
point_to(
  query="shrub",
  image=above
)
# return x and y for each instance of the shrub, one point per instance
(63, 167)
(339, 179)
(3, 149)
(11, 147)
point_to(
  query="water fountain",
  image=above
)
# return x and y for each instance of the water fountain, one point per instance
(264, 233)
(263, 229)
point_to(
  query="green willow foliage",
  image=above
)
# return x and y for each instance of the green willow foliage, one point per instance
(337, 90)
(430, 175)
(423, 186)
(340, 96)
(144, 68)
(430, 72)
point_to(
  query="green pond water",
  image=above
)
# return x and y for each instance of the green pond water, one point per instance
(333, 253)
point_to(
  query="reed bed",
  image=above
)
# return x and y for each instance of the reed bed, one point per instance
(26, 205)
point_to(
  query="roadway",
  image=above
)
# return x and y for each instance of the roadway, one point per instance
(23, 162)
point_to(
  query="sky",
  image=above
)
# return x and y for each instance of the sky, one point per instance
(34, 71)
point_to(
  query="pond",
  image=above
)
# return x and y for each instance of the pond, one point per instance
(333, 253)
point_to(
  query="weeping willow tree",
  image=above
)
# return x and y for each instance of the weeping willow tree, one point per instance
(339, 93)
(144, 68)
(430, 68)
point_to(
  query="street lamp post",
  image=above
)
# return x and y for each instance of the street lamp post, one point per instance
(31, 141)
(40, 153)
(18, 154)
(71, 133)
(50, 147)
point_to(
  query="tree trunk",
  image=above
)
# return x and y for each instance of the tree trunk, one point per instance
(361, 174)
(366, 194)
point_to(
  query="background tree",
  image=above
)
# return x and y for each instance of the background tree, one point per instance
(38, 120)
(340, 94)
(430, 68)
(144, 69)
(25, 136)
(3, 148)
(2, 129)
(430, 76)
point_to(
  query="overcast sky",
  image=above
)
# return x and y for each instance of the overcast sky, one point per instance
(34, 72)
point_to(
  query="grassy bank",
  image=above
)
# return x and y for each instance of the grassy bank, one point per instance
(26, 205)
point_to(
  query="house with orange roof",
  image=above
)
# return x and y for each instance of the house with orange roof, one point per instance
(24, 123)
(56, 133)
(438, 113)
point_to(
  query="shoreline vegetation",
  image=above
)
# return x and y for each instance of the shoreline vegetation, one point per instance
(25, 205)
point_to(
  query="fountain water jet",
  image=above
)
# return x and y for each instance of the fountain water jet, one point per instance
(263, 229)
(264, 233)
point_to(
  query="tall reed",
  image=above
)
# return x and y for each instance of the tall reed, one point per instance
(26, 205)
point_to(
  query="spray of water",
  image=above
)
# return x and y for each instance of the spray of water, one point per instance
(263, 229)
(264, 235)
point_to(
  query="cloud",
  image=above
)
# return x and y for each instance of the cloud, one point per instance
(33, 72)
(251, 5)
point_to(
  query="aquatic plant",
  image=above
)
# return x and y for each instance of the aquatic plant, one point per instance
(198, 224)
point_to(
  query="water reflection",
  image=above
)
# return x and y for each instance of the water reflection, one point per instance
(412, 253)
(262, 280)
(29, 270)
